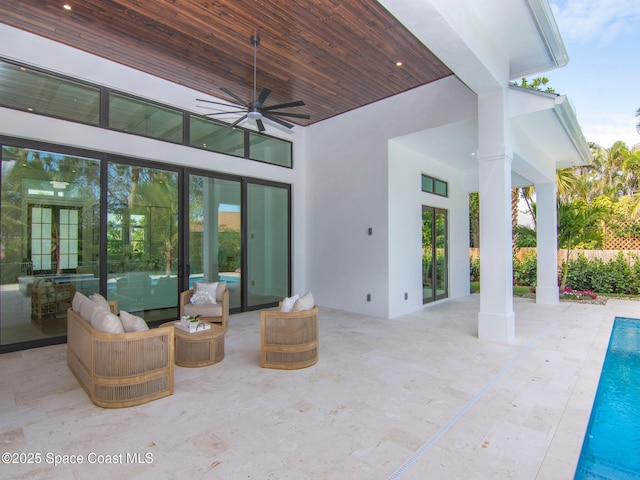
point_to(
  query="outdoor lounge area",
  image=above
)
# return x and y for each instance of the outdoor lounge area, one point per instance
(413, 398)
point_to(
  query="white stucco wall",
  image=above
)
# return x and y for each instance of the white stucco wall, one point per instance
(357, 181)
(405, 225)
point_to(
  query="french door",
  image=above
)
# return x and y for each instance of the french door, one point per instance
(434, 254)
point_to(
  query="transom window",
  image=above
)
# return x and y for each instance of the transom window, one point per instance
(47, 93)
(435, 186)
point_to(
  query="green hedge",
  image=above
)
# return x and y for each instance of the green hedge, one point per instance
(615, 276)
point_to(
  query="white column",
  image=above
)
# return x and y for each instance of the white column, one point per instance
(547, 240)
(496, 319)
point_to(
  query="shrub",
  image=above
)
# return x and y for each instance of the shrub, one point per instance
(580, 273)
(474, 269)
(525, 271)
(615, 276)
(584, 276)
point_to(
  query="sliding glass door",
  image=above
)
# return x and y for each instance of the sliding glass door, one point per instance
(50, 214)
(239, 233)
(215, 234)
(142, 240)
(434, 254)
(136, 232)
(268, 244)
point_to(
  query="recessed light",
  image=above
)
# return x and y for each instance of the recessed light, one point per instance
(398, 64)
(66, 6)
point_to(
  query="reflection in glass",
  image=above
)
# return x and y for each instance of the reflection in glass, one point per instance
(215, 251)
(133, 115)
(50, 231)
(267, 244)
(215, 136)
(142, 240)
(269, 149)
(427, 253)
(44, 94)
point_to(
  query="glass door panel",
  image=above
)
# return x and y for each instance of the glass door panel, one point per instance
(427, 254)
(215, 233)
(440, 223)
(142, 240)
(50, 237)
(434, 254)
(268, 244)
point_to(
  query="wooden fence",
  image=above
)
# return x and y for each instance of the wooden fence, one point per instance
(606, 255)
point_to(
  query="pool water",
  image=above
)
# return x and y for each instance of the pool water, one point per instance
(611, 448)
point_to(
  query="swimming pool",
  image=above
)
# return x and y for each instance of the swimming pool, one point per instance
(612, 443)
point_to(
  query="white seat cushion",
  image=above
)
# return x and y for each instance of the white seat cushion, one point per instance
(205, 310)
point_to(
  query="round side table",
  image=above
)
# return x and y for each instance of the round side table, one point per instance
(198, 349)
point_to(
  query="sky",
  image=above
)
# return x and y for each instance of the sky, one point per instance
(602, 78)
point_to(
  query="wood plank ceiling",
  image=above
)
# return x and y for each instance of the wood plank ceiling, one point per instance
(336, 55)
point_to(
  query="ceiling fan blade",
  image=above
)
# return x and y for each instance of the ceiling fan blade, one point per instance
(226, 104)
(277, 120)
(235, 124)
(263, 96)
(260, 125)
(225, 112)
(292, 115)
(297, 103)
(229, 92)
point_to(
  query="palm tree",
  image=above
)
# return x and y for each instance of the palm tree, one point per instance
(566, 181)
(632, 168)
(578, 223)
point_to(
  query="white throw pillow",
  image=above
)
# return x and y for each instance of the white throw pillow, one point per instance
(131, 323)
(87, 308)
(305, 302)
(101, 301)
(288, 303)
(202, 298)
(76, 303)
(222, 286)
(210, 288)
(106, 322)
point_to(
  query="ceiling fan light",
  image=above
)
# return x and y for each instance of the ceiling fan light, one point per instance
(254, 115)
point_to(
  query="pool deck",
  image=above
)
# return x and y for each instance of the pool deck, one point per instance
(416, 397)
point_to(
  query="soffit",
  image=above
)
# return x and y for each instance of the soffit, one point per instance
(334, 55)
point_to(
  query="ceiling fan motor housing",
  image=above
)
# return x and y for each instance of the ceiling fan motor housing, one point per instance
(254, 114)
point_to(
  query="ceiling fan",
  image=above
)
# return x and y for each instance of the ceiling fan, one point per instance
(255, 110)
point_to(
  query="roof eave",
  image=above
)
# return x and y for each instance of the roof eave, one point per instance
(567, 118)
(550, 36)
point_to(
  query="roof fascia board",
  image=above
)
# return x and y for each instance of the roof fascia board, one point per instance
(524, 101)
(567, 117)
(545, 22)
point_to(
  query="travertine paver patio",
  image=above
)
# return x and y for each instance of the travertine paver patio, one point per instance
(414, 397)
